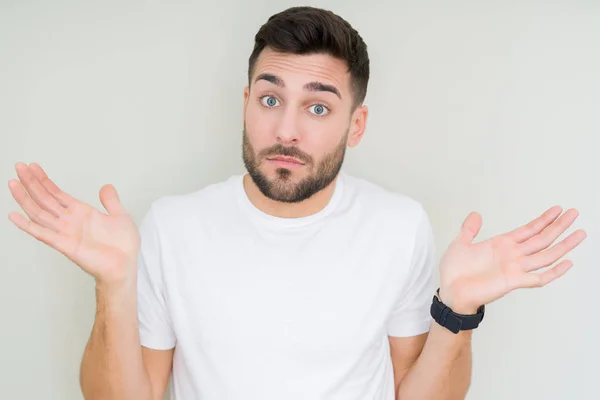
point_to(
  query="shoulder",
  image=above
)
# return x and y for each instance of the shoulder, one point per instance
(175, 211)
(398, 220)
(387, 206)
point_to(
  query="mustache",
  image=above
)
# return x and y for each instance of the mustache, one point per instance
(280, 150)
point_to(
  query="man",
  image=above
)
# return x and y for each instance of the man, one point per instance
(296, 280)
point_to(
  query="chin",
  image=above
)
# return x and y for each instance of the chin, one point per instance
(282, 173)
(287, 175)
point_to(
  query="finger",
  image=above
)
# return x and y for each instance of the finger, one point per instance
(39, 232)
(37, 192)
(30, 207)
(110, 200)
(534, 279)
(550, 256)
(544, 239)
(534, 227)
(63, 198)
(470, 227)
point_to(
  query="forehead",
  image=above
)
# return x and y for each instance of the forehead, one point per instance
(296, 69)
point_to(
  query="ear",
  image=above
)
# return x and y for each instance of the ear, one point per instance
(358, 125)
(246, 97)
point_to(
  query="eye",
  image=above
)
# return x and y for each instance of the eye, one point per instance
(319, 109)
(268, 101)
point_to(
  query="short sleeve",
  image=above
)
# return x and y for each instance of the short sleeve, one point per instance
(154, 323)
(411, 316)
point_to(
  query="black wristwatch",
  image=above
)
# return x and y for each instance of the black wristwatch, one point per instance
(443, 315)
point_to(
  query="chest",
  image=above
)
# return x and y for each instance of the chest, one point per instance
(317, 294)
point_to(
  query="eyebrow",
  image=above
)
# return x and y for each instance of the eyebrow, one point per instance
(311, 86)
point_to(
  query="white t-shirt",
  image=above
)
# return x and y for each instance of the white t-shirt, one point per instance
(265, 308)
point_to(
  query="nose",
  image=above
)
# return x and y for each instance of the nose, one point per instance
(287, 130)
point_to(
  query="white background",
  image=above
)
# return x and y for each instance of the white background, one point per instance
(485, 106)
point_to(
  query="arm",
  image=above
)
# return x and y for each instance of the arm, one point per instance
(115, 365)
(130, 352)
(433, 366)
(473, 274)
(105, 245)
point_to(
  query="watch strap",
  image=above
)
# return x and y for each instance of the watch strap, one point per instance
(454, 322)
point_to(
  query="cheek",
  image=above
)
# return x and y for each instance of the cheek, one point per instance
(321, 136)
(259, 125)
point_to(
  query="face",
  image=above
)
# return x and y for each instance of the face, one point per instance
(298, 121)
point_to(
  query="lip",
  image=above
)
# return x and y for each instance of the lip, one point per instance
(286, 161)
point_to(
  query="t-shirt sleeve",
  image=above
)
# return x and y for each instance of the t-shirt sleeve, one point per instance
(154, 323)
(411, 316)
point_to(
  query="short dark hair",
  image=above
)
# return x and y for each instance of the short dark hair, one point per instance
(310, 30)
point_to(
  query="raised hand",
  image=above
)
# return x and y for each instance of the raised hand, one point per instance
(105, 245)
(473, 274)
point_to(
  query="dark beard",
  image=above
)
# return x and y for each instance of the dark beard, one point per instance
(281, 188)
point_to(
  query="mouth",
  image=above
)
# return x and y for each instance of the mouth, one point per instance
(286, 161)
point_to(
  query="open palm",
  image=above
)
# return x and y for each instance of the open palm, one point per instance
(474, 274)
(103, 245)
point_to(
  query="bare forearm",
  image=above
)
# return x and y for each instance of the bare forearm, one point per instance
(112, 365)
(442, 371)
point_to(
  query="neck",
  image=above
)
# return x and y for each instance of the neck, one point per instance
(310, 206)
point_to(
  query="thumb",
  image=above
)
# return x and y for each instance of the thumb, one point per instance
(470, 228)
(110, 199)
